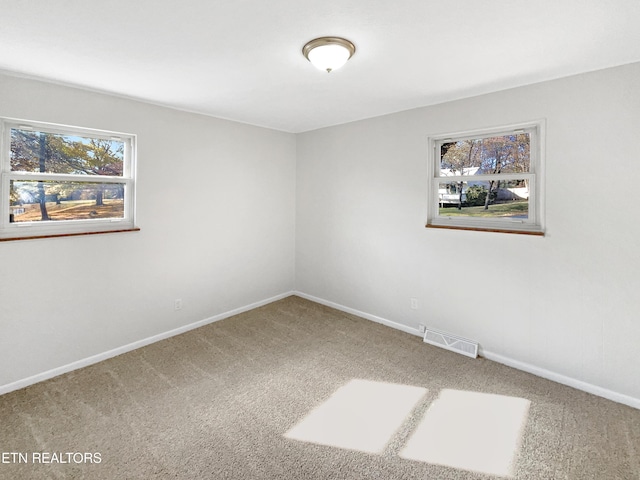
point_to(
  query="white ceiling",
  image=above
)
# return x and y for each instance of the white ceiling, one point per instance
(242, 60)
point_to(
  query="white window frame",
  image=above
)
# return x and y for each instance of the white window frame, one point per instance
(18, 230)
(534, 224)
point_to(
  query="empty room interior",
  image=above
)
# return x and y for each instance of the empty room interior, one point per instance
(225, 256)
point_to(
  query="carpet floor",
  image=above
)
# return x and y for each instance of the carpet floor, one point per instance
(297, 390)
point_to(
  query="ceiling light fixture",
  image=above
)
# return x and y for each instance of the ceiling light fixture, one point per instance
(328, 53)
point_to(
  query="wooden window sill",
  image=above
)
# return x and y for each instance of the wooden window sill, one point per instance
(35, 237)
(494, 230)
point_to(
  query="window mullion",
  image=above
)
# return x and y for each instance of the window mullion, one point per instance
(62, 177)
(485, 178)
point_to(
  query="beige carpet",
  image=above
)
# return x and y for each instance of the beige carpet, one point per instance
(266, 394)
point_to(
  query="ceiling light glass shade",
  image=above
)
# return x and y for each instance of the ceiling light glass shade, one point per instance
(328, 53)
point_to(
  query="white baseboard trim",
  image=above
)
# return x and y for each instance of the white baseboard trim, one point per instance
(353, 311)
(85, 362)
(525, 367)
(563, 379)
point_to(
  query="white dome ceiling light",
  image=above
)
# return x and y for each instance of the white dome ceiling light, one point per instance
(328, 53)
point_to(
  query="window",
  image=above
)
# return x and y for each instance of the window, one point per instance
(59, 180)
(488, 180)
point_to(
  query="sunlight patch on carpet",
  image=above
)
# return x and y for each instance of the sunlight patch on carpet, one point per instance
(471, 431)
(362, 415)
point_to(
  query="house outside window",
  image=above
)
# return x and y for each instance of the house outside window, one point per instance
(488, 179)
(61, 180)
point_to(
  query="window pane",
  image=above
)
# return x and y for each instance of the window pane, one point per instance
(486, 156)
(490, 199)
(32, 201)
(33, 151)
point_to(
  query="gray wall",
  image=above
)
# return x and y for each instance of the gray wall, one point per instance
(566, 303)
(216, 208)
